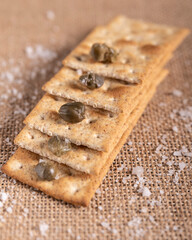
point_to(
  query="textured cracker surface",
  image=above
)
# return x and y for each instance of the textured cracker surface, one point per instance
(75, 188)
(66, 84)
(99, 130)
(79, 158)
(140, 45)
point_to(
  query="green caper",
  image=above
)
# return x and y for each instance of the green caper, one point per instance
(59, 146)
(72, 112)
(45, 171)
(102, 53)
(91, 80)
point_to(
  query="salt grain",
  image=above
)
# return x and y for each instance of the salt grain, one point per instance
(182, 165)
(175, 129)
(43, 227)
(146, 192)
(105, 225)
(9, 210)
(138, 171)
(177, 154)
(171, 172)
(50, 15)
(79, 72)
(169, 163)
(3, 196)
(177, 93)
(144, 210)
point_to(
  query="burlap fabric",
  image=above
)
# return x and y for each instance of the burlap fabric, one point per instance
(118, 210)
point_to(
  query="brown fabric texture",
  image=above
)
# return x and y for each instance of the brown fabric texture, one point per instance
(160, 143)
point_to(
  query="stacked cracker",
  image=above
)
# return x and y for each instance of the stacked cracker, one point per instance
(111, 110)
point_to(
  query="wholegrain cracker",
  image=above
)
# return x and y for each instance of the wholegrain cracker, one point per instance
(72, 187)
(99, 130)
(66, 84)
(140, 46)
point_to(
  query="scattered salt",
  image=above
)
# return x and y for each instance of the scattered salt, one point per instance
(3, 196)
(100, 208)
(79, 72)
(144, 210)
(105, 225)
(171, 172)
(182, 165)
(50, 15)
(120, 168)
(9, 210)
(161, 192)
(177, 154)
(177, 93)
(136, 221)
(138, 171)
(158, 149)
(43, 227)
(169, 163)
(124, 180)
(1, 204)
(146, 192)
(175, 129)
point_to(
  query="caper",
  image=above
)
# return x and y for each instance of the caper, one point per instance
(91, 80)
(102, 53)
(45, 171)
(59, 146)
(72, 112)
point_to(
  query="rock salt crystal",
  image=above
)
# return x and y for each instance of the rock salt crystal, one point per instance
(175, 129)
(182, 165)
(177, 93)
(138, 171)
(9, 210)
(3, 196)
(105, 225)
(146, 192)
(143, 210)
(79, 72)
(171, 172)
(50, 15)
(169, 163)
(43, 227)
(177, 154)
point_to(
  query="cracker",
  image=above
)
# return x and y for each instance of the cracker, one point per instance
(80, 158)
(99, 130)
(72, 186)
(140, 45)
(66, 84)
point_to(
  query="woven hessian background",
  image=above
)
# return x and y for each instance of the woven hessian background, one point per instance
(118, 210)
